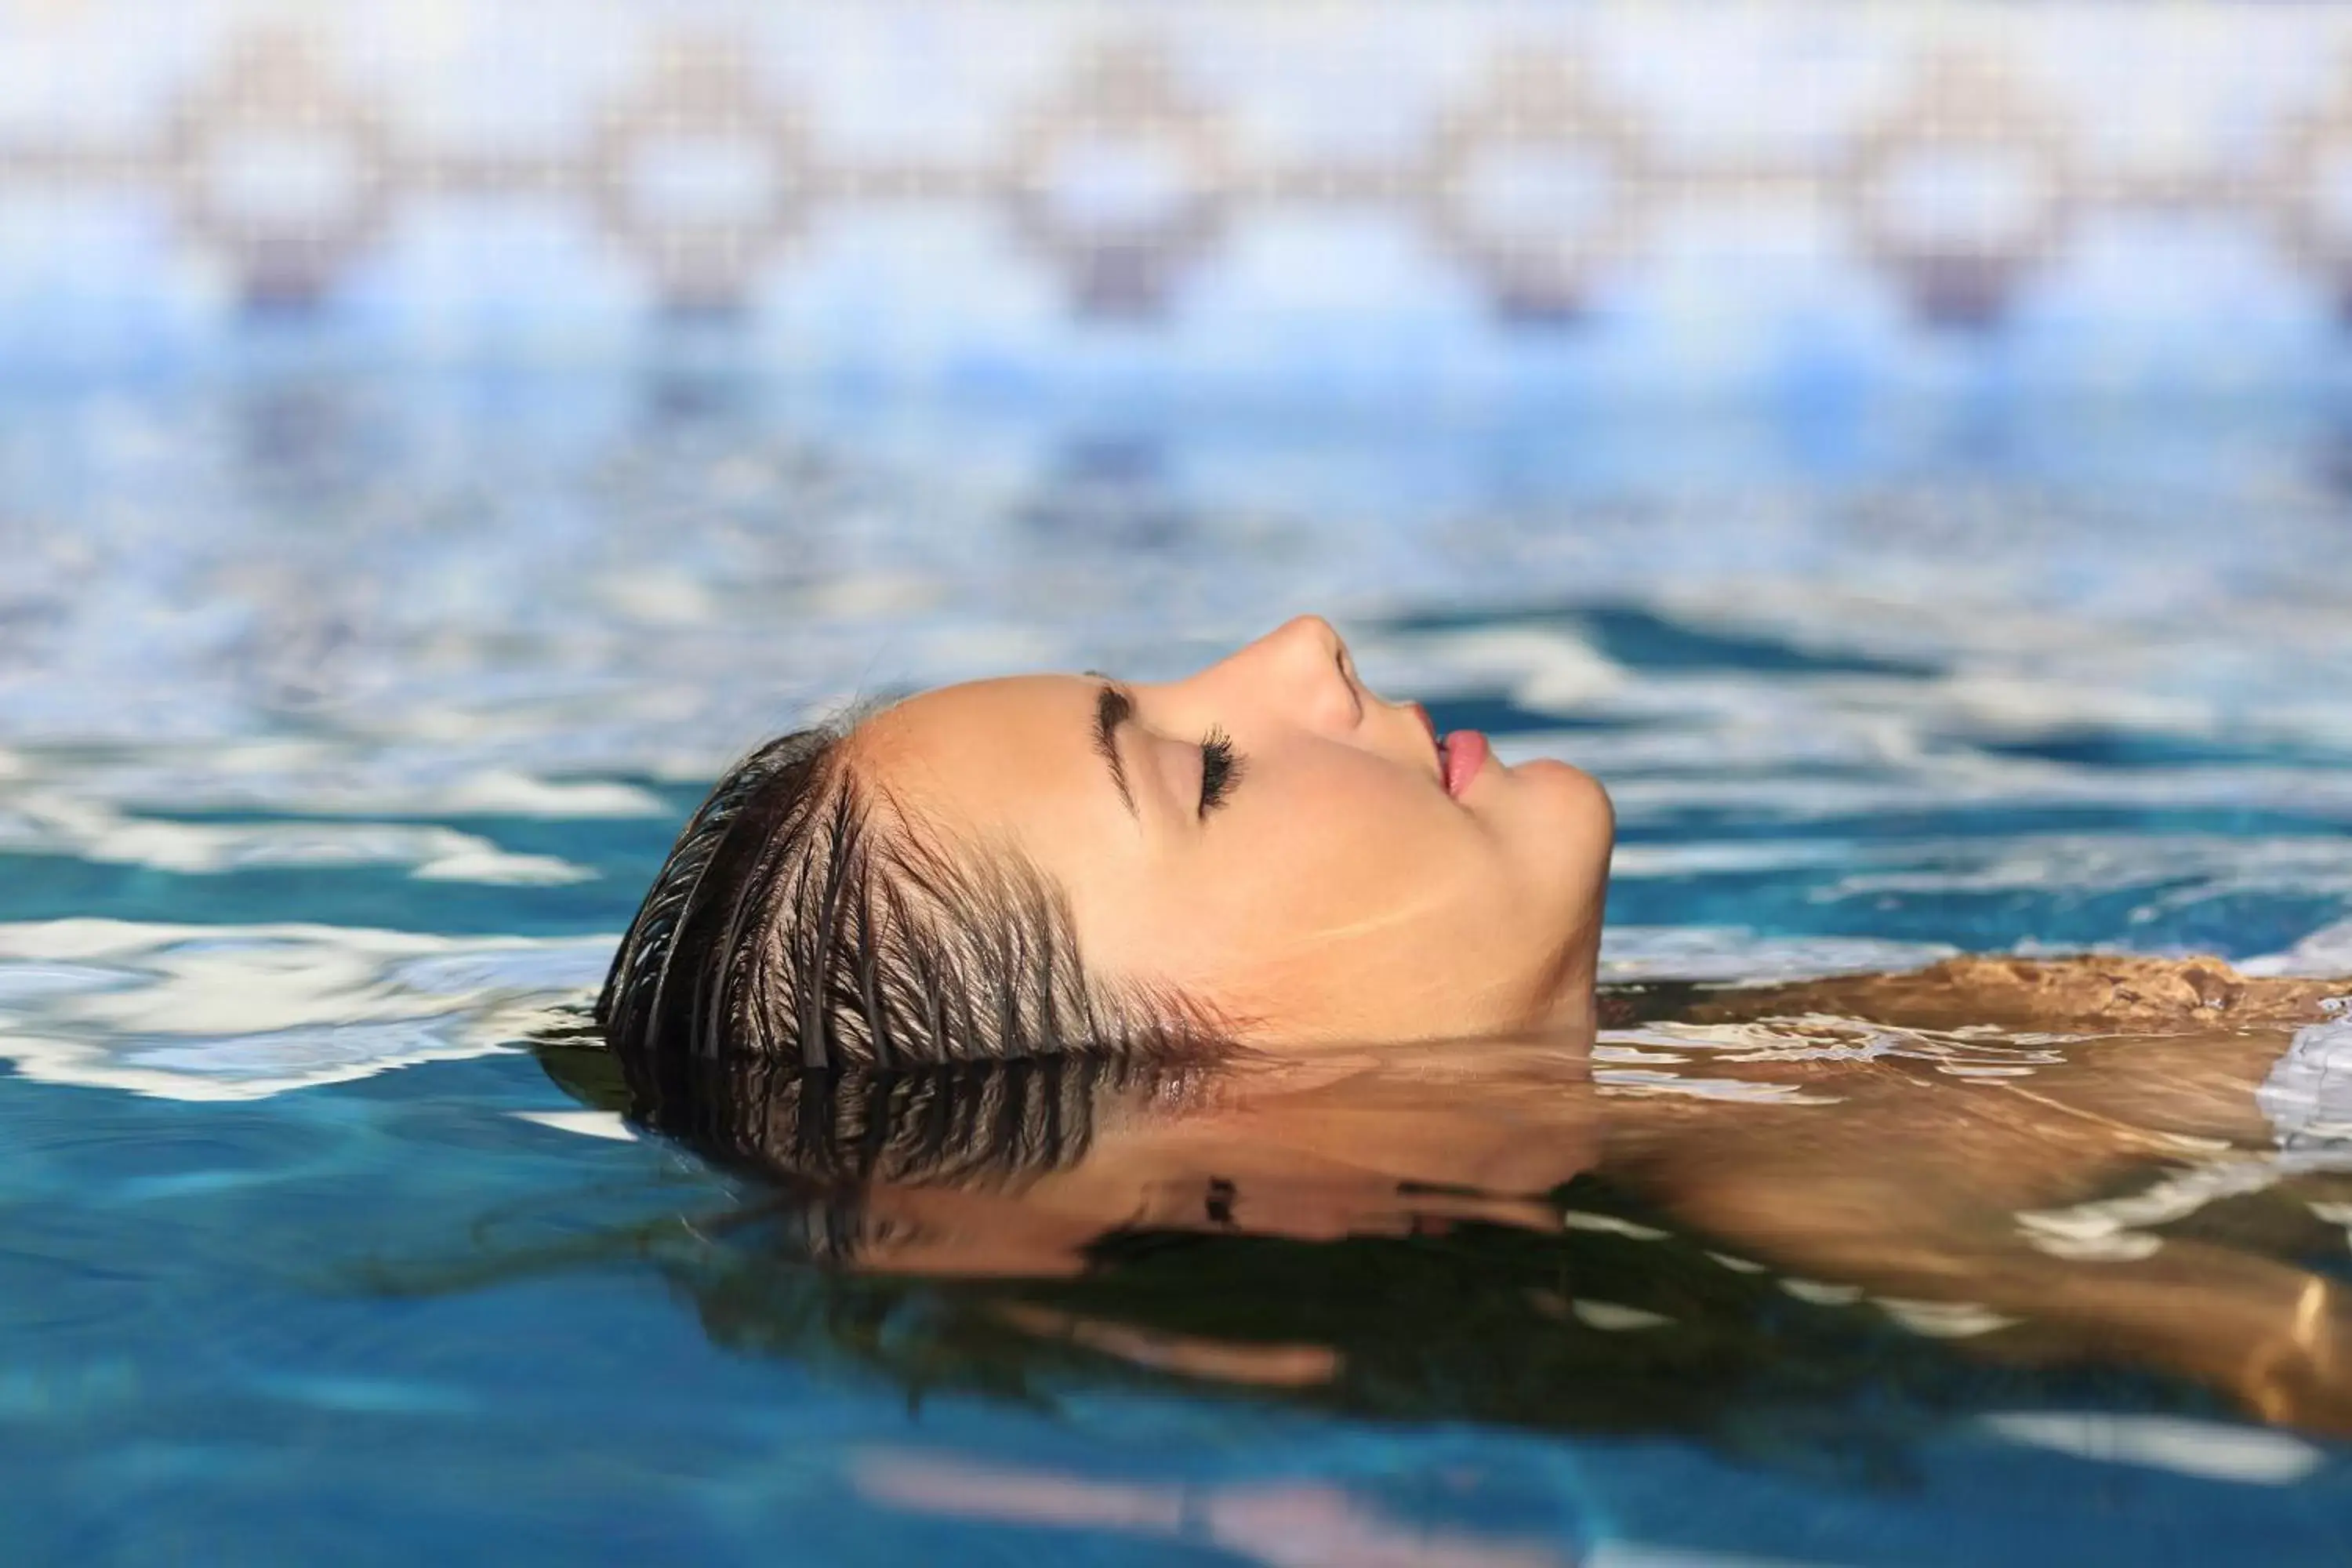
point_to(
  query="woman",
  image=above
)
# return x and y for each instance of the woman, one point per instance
(1266, 864)
(1265, 854)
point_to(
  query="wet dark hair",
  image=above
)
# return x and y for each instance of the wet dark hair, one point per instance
(802, 916)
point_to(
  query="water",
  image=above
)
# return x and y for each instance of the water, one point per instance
(344, 718)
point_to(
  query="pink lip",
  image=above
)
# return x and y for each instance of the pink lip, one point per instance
(1465, 752)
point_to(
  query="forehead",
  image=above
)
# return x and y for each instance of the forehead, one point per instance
(1011, 753)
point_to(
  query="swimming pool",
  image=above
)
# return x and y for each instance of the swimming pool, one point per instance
(347, 714)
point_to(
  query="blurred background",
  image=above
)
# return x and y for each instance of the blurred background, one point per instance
(1346, 204)
(1904, 448)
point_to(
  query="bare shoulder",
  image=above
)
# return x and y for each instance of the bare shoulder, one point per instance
(2091, 992)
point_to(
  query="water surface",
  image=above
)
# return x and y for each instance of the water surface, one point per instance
(342, 719)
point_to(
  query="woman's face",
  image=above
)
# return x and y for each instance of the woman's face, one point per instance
(1274, 839)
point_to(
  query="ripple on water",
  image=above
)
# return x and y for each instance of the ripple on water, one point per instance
(229, 1013)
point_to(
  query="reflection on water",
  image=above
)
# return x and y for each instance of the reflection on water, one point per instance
(1816, 1225)
(1274, 1524)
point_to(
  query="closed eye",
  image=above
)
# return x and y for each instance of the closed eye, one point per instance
(1220, 770)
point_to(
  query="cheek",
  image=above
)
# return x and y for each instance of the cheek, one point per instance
(1342, 893)
(1355, 863)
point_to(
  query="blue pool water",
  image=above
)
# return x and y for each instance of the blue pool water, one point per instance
(343, 719)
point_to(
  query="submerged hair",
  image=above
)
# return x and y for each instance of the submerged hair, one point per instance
(975, 1124)
(802, 917)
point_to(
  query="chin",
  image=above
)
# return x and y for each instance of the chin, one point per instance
(1576, 806)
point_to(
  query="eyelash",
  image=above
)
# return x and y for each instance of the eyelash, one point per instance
(1220, 768)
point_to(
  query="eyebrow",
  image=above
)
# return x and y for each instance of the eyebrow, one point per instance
(1112, 709)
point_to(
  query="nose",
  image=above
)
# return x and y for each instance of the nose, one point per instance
(1310, 641)
(1300, 669)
